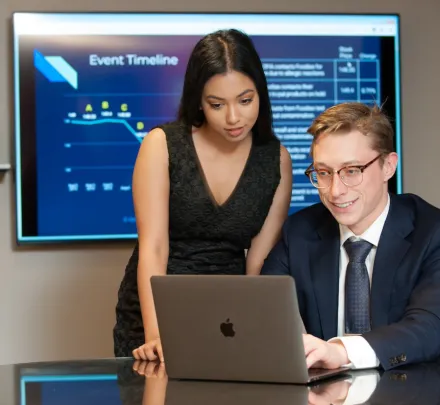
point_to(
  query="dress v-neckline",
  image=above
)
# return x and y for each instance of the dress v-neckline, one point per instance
(205, 182)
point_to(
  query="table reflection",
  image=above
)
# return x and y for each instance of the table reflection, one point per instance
(129, 382)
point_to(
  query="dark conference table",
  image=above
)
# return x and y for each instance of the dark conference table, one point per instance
(128, 382)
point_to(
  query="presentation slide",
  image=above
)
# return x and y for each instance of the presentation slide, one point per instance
(97, 96)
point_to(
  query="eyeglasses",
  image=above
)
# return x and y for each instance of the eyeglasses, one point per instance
(351, 176)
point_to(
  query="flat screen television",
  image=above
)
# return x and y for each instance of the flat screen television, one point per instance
(89, 86)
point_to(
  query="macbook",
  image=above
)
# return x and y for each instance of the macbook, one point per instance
(232, 328)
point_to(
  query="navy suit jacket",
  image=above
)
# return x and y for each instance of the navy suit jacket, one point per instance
(405, 290)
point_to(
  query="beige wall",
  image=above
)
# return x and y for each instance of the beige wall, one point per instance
(58, 303)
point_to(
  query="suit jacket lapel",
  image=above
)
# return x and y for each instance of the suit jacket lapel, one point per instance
(390, 252)
(324, 269)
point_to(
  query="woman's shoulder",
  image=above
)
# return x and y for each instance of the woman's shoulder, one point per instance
(172, 128)
(269, 150)
(175, 133)
(273, 158)
(274, 150)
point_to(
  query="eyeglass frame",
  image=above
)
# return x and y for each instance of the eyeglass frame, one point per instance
(311, 169)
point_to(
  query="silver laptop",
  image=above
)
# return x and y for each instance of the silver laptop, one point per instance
(232, 328)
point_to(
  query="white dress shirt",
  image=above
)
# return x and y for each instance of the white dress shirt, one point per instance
(359, 352)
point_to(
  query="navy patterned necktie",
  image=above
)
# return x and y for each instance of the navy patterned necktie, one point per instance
(357, 287)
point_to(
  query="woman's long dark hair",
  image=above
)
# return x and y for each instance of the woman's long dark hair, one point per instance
(218, 53)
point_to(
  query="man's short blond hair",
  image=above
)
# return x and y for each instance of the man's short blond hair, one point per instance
(345, 117)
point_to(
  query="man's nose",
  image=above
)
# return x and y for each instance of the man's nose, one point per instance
(337, 187)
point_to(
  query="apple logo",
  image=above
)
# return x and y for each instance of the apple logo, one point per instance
(227, 328)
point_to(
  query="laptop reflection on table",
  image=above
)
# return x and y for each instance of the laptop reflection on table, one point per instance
(183, 392)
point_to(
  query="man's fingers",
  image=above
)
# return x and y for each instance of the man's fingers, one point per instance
(316, 399)
(310, 344)
(313, 357)
(308, 348)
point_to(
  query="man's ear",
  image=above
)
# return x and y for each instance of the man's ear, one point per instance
(390, 165)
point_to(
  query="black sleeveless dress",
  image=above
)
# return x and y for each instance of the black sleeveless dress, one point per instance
(204, 237)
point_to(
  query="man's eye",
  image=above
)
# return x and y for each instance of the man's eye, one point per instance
(352, 171)
(323, 173)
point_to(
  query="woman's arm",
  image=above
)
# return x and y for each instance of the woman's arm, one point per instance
(151, 187)
(271, 230)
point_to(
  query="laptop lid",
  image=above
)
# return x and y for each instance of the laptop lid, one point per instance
(236, 328)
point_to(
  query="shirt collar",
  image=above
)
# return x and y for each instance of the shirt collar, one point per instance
(372, 234)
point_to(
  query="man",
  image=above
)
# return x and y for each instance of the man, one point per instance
(366, 264)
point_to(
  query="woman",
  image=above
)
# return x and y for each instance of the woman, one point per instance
(206, 188)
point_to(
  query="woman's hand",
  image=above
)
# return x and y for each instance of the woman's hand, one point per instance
(156, 381)
(151, 350)
(150, 369)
